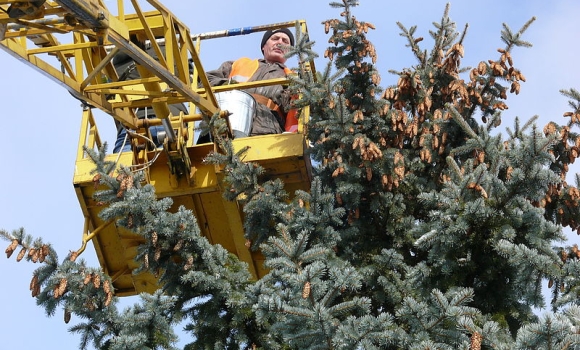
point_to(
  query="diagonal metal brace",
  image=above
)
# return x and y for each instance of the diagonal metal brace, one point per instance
(88, 236)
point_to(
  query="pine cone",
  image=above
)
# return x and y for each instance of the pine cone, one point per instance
(35, 286)
(21, 254)
(97, 280)
(33, 282)
(369, 173)
(32, 254)
(130, 221)
(67, 315)
(89, 305)
(107, 286)
(157, 254)
(306, 290)
(189, 264)
(564, 255)
(37, 256)
(60, 288)
(178, 246)
(36, 291)
(87, 279)
(96, 181)
(45, 250)
(10, 249)
(476, 339)
(108, 299)
(73, 256)
(146, 261)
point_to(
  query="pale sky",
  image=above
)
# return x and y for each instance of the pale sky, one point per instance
(41, 120)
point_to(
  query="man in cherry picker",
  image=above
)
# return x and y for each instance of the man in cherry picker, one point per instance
(273, 113)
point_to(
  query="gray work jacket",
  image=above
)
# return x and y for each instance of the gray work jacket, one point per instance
(265, 121)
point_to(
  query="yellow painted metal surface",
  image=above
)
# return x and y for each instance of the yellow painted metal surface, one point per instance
(220, 221)
(84, 37)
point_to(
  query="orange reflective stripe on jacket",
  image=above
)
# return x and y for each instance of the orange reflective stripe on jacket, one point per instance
(291, 124)
(243, 69)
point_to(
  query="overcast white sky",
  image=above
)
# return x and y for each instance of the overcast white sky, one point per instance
(41, 120)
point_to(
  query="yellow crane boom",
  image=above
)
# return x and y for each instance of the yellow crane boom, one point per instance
(73, 42)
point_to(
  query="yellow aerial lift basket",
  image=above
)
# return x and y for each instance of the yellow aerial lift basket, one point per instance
(30, 31)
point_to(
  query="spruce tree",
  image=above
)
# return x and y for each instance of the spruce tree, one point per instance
(426, 226)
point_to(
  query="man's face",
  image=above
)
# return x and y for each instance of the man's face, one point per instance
(273, 48)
